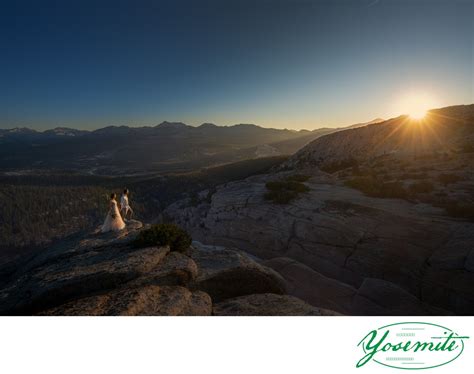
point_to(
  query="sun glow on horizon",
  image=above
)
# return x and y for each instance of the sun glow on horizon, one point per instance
(418, 114)
(416, 105)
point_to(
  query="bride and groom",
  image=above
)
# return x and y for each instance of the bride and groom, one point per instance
(114, 220)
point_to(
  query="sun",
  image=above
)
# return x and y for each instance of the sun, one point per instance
(418, 113)
(417, 105)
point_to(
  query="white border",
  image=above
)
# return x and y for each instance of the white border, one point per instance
(220, 345)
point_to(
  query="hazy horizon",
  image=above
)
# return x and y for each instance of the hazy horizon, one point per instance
(46, 128)
(276, 64)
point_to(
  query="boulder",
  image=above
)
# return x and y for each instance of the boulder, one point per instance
(227, 273)
(442, 287)
(379, 297)
(149, 300)
(76, 245)
(174, 269)
(313, 287)
(76, 274)
(454, 253)
(373, 297)
(268, 304)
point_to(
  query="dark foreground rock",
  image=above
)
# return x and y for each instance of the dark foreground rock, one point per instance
(373, 297)
(145, 301)
(268, 305)
(103, 274)
(229, 273)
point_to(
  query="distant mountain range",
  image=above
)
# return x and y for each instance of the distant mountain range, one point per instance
(169, 146)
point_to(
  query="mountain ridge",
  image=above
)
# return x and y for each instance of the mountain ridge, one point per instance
(164, 124)
(443, 129)
(169, 146)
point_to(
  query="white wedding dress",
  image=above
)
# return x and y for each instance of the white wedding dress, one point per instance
(113, 221)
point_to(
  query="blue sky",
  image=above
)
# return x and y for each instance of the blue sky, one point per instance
(276, 63)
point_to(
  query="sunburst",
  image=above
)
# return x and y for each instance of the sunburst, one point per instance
(417, 105)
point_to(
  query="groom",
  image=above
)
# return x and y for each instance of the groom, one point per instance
(124, 205)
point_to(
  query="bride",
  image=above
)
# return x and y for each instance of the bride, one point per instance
(113, 221)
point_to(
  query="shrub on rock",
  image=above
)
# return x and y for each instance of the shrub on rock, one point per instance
(297, 178)
(376, 187)
(164, 234)
(287, 189)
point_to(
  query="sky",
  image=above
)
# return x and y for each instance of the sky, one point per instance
(276, 63)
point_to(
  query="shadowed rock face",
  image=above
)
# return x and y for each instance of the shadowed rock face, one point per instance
(144, 301)
(229, 273)
(373, 297)
(104, 275)
(268, 305)
(344, 251)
